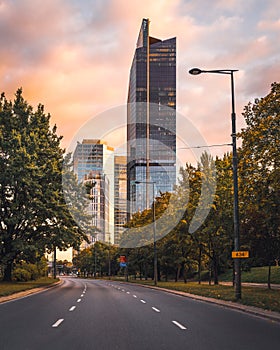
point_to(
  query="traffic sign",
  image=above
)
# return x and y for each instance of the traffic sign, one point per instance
(240, 254)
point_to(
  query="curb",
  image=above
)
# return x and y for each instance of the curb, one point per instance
(29, 292)
(271, 315)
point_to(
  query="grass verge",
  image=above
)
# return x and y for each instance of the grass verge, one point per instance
(8, 288)
(255, 275)
(259, 297)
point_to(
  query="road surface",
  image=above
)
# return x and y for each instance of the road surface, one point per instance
(104, 315)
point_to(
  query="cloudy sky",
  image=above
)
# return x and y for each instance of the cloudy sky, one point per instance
(74, 56)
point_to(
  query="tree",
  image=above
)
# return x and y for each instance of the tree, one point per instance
(260, 176)
(34, 215)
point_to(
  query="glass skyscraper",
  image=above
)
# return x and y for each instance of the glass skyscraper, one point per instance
(93, 163)
(120, 209)
(151, 120)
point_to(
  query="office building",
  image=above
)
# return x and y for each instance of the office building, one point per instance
(93, 162)
(120, 196)
(151, 120)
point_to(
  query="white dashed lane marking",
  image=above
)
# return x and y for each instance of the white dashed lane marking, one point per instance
(72, 308)
(179, 325)
(155, 309)
(57, 323)
(143, 301)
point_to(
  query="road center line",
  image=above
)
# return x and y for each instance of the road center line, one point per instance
(179, 325)
(143, 301)
(58, 322)
(79, 300)
(72, 308)
(155, 309)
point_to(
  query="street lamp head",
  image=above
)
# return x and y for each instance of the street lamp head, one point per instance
(195, 71)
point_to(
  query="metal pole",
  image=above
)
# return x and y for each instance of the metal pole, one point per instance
(109, 261)
(237, 280)
(94, 260)
(54, 262)
(154, 229)
(155, 242)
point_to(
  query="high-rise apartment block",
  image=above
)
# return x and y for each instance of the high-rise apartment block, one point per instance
(151, 119)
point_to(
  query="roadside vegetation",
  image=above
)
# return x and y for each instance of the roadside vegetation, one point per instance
(255, 275)
(8, 288)
(34, 216)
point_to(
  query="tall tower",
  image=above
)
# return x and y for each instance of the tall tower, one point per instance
(151, 119)
(120, 200)
(93, 162)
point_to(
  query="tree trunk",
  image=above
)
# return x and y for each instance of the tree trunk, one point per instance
(178, 273)
(269, 277)
(158, 272)
(185, 275)
(210, 273)
(166, 274)
(8, 272)
(199, 265)
(215, 268)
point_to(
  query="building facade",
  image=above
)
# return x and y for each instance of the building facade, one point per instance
(151, 120)
(93, 163)
(120, 199)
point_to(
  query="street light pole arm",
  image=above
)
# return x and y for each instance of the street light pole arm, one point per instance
(197, 71)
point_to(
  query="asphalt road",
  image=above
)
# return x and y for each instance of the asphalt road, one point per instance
(103, 315)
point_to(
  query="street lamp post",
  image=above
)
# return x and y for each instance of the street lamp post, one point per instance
(237, 280)
(154, 229)
(90, 186)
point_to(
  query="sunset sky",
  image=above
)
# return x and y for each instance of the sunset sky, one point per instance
(74, 56)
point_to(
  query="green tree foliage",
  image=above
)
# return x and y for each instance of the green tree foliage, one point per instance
(260, 177)
(203, 238)
(33, 213)
(100, 258)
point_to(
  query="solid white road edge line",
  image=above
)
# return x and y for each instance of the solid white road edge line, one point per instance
(58, 322)
(179, 325)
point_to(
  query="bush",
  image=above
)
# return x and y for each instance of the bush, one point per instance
(32, 269)
(21, 275)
